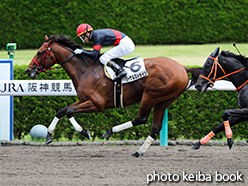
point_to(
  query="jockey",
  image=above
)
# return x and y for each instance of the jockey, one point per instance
(106, 37)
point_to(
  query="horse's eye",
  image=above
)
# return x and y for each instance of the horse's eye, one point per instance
(39, 53)
(208, 64)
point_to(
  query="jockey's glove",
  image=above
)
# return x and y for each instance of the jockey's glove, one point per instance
(78, 51)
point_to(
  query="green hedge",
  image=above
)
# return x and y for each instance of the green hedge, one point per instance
(192, 116)
(145, 21)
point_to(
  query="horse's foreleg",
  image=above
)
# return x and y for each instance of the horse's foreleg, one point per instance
(203, 141)
(76, 107)
(79, 129)
(232, 121)
(53, 124)
(224, 125)
(59, 114)
(84, 107)
(229, 133)
(240, 113)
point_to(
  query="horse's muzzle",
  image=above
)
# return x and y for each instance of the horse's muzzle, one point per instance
(32, 72)
(203, 87)
(198, 87)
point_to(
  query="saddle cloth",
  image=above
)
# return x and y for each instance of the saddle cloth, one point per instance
(135, 69)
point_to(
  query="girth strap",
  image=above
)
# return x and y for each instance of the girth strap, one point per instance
(118, 94)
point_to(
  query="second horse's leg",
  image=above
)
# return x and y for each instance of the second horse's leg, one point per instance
(232, 121)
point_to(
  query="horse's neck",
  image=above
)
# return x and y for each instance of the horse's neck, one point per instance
(238, 78)
(232, 67)
(80, 69)
(77, 68)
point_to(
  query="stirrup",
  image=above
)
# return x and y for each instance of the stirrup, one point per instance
(121, 74)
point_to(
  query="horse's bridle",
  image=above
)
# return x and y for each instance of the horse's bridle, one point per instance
(214, 70)
(44, 58)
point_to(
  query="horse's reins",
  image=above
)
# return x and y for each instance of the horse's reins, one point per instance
(214, 70)
(90, 67)
(42, 69)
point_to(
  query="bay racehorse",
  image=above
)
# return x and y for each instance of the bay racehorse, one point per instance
(165, 82)
(217, 67)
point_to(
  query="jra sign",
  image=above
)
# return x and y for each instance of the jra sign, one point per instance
(37, 88)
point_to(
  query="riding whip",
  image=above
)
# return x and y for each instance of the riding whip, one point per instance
(236, 48)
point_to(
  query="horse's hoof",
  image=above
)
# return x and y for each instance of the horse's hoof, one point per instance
(136, 154)
(196, 146)
(86, 134)
(49, 138)
(230, 143)
(107, 134)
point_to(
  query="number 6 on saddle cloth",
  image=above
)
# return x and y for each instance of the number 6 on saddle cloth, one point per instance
(135, 69)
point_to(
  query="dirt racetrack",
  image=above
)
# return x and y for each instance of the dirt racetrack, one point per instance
(114, 165)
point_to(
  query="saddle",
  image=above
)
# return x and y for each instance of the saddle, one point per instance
(118, 99)
(122, 62)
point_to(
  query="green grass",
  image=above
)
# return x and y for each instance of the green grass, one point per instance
(188, 55)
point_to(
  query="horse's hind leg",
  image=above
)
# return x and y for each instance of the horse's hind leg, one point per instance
(141, 118)
(158, 115)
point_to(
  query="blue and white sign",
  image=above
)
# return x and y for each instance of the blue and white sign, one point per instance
(6, 102)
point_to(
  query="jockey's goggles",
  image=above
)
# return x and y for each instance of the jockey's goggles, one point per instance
(82, 37)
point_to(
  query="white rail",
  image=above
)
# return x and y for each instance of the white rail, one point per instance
(62, 87)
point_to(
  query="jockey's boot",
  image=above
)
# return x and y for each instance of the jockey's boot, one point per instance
(119, 72)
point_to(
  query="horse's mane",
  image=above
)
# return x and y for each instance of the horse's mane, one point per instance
(241, 58)
(65, 41)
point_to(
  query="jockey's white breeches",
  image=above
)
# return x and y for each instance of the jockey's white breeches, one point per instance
(126, 46)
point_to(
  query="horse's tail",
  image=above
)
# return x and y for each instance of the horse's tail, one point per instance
(195, 72)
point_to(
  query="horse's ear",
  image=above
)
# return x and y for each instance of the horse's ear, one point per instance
(46, 38)
(216, 52)
(53, 39)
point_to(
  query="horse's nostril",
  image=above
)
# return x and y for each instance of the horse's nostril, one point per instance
(198, 87)
(28, 71)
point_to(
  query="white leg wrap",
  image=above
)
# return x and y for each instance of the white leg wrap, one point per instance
(76, 126)
(145, 145)
(123, 126)
(53, 125)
